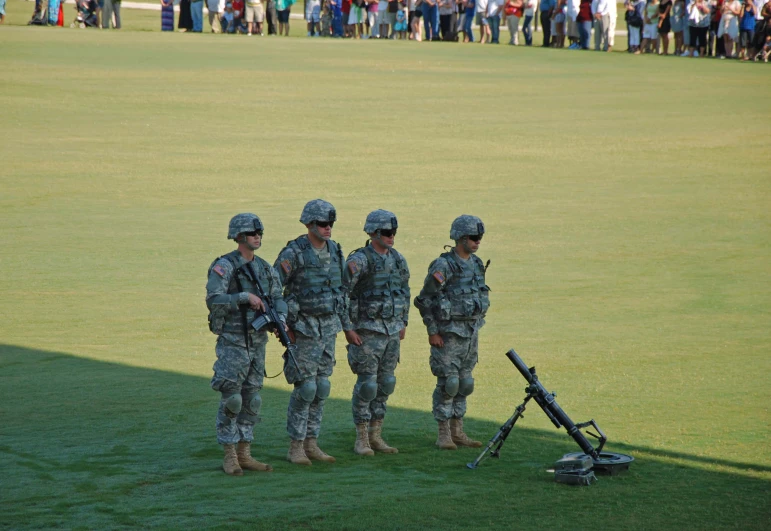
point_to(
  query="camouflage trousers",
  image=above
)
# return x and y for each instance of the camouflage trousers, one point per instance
(238, 375)
(378, 356)
(316, 358)
(457, 358)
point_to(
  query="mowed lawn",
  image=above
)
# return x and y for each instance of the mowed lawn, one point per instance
(627, 206)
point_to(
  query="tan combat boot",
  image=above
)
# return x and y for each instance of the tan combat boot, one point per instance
(313, 451)
(297, 455)
(362, 440)
(444, 441)
(246, 460)
(230, 464)
(459, 437)
(376, 441)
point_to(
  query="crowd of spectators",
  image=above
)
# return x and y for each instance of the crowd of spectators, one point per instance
(738, 29)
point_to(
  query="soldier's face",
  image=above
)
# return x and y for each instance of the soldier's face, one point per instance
(323, 229)
(253, 240)
(383, 240)
(472, 245)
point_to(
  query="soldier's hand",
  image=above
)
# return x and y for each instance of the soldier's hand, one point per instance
(436, 341)
(278, 336)
(353, 338)
(255, 303)
(402, 333)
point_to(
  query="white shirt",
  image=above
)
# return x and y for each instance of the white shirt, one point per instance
(573, 7)
(530, 6)
(759, 8)
(599, 7)
(612, 9)
(494, 7)
(482, 7)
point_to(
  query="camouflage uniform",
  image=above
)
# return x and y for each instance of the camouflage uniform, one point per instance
(317, 311)
(378, 286)
(453, 303)
(240, 365)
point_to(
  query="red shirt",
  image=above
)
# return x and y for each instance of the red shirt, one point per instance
(584, 11)
(347, 6)
(238, 5)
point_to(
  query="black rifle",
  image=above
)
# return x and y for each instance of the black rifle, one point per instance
(271, 318)
(545, 399)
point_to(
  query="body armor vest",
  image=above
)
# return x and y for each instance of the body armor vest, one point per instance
(384, 292)
(466, 296)
(316, 290)
(241, 281)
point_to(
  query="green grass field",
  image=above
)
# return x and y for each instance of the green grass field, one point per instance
(627, 207)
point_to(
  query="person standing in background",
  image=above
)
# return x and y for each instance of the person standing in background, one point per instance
(185, 21)
(196, 11)
(547, 10)
(530, 8)
(664, 25)
(167, 15)
(111, 9)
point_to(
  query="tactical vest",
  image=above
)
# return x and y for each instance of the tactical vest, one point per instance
(240, 281)
(317, 292)
(466, 296)
(381, 293)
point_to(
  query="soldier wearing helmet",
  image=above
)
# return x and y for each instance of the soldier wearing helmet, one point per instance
(453, 304)
(233, 302)
(311, 269)
(377, 280)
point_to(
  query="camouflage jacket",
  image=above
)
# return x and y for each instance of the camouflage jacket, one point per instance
(315, 308)
(454, 297)
(378, 289)
(229, 306)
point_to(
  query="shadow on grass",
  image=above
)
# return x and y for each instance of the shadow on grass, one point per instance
(92, 444)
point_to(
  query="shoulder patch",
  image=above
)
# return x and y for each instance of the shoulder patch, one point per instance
(286, 265)
(439, 277)
(353, 267)
(219, 270)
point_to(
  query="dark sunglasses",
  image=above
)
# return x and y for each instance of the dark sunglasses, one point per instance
(388, 233)
(254, 233)
(325, 224)
(475, 238)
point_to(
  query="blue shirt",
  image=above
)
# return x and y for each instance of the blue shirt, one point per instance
(547, 5)
(748, 21)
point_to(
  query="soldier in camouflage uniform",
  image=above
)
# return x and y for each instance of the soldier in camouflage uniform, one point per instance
(311, 269)
(377, 281)
(453, 304)
(233, 302)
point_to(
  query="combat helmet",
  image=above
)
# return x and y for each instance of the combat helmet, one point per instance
(318, 210)
(466, 225)
(243, 223)
(380, 220)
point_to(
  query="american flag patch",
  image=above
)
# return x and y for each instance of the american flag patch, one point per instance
(353, 267)
(218, 269)
(439, 277)
(286, 265)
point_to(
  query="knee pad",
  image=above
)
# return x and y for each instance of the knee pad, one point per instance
(233, 403)
(466, 386)
(366, 387)
(449, 385)
(253, 404)
(307, 390)
(323, 387)
(388, 384)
